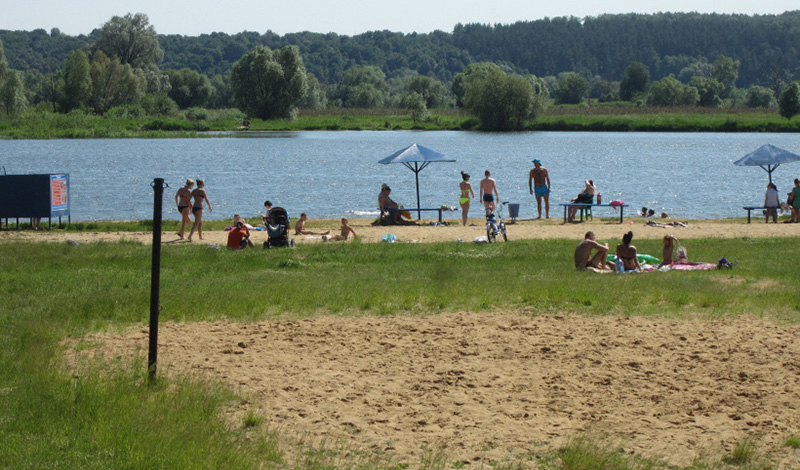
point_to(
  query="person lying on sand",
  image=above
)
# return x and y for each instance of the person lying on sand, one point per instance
(584, 258)
(346, 231)
(300, 227)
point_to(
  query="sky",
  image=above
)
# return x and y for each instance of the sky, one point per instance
(348, 17)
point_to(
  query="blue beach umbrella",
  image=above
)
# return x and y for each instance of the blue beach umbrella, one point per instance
(767, 157)
(416, 158)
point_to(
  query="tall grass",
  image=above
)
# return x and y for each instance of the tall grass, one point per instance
(38, 124)
(93, 418)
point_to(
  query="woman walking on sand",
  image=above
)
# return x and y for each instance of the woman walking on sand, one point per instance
(183, 201)
(199, 195)
(466, 196)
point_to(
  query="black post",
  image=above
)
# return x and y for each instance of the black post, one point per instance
(155, 279)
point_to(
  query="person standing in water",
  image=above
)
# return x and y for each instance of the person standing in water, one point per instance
(199, 195)
(183, 201)
(466, 196)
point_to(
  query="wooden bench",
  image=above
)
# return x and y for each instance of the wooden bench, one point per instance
(583, 207)
(393, 212)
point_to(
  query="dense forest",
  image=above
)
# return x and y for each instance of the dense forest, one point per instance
(766, 46)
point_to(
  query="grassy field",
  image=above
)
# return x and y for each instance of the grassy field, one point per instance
(52, 419)
(36, 124)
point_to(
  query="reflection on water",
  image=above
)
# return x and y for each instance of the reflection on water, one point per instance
(336, 173)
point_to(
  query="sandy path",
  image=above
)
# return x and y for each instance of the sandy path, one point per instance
(524, 229)
(486, 386)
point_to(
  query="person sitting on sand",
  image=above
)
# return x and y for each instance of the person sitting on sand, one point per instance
(670, 243)
(627, 260)
(345, 233)
(300, 227)
(239, 237)
(583, 254)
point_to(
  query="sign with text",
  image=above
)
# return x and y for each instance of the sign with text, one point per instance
(59, 192)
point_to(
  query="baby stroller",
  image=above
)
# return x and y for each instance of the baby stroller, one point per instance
(278, 228)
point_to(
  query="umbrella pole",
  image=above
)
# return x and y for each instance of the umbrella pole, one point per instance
(416, 175)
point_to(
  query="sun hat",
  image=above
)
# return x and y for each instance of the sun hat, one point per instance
(536, 160)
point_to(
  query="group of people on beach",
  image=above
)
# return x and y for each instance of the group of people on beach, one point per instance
(772, 203)
(188, 197)
(627, 259)
(538, 183)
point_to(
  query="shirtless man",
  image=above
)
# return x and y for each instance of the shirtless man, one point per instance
(584, 258)
(489, 186)
(539, 183)
(346, 231)
(300, 227)
(182, 200)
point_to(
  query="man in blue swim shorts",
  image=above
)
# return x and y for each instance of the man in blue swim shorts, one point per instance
(539, 184)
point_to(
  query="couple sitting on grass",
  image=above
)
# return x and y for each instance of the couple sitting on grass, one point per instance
(627, 257)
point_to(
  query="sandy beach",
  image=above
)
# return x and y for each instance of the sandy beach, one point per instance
(485, 387)
(424, 232)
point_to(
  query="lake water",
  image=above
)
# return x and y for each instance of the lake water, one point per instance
(336, 174)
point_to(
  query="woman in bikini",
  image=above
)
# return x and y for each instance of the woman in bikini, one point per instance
(627, 254)
(466, 196)
(199, 195)
(183, 201)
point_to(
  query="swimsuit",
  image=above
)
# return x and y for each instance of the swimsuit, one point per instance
(464, 196)
(584, 198)
(488, 198)
(195, 209)
(541, 191)
(181, 208)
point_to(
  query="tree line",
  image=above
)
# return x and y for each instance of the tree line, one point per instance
(504, 74)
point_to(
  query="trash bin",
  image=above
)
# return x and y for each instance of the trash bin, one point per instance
(513, 211)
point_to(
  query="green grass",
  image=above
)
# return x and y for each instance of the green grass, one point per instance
(95, 419)
(36, 123)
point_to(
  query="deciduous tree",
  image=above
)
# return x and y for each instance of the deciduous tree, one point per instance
(132, 40)
(114, 83)
(634, 81)
(760, 97)
(189, 88)
(268, 84)
(789, 104)
(12, 93)
(571, 88)
(501, 101)
(670, 92)
(77, 81)
(432, 90)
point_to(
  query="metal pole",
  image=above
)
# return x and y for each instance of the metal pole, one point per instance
(155, 279)
(416, 174)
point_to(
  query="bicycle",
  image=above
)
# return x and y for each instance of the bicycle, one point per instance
(495, 225)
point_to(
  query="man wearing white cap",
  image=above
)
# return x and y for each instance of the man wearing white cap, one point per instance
(539, 183)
